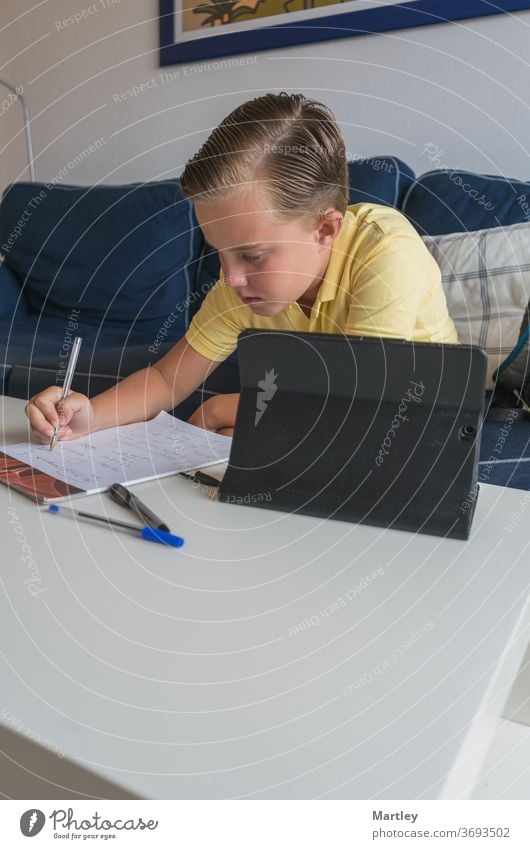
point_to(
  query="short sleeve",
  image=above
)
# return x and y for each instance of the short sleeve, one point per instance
(390, 283)
(215, 326)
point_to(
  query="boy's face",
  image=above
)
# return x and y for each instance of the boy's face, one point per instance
(268, 265)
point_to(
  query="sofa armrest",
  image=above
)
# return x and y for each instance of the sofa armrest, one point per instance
(95, 374)
(12, 301)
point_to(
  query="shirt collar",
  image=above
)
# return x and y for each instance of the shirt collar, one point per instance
(338, 257)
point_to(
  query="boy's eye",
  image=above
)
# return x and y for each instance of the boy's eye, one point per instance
(250, 258)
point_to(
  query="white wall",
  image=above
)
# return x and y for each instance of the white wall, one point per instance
(463, 87)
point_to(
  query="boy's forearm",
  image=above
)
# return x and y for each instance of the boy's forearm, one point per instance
(136, 398)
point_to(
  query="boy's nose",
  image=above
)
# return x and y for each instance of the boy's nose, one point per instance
(236, 280)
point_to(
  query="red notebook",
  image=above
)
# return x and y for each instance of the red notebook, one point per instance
(31, 482)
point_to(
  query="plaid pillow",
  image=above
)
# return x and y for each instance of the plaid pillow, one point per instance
(486, 278)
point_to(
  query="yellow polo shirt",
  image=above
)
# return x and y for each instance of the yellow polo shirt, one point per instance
(380, 281)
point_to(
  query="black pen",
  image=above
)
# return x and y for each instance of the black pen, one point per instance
(201, 477)
(126, 498)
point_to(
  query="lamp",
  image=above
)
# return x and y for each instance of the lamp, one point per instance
(18, 94)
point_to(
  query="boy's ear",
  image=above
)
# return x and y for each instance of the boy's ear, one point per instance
(330, 224)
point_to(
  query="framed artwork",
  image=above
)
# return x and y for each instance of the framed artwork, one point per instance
(191, 30)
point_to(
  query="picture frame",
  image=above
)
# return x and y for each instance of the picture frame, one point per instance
(184, 39)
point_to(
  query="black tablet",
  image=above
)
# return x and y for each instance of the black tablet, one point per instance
(372, 430)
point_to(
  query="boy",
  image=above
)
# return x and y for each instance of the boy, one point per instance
(270, 190)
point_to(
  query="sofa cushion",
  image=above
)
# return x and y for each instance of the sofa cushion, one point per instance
(38, 339)
(451, 201)
(101, 369)
(505, 457)
(12, 300)
(208, 268)
(379, 179)
(486, 278)
(122, 255)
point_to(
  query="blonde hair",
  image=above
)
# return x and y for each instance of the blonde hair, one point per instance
(291, 144)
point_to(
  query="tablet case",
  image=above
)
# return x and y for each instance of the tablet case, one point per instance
(378, 431)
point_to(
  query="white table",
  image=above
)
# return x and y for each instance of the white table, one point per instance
(185, 674)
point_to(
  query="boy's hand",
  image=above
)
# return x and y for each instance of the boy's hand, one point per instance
(74, 415)
(217, 414)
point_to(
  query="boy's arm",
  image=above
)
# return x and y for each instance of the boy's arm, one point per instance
(138, 397)
(217, 413)
(145, 393)
(213, 332)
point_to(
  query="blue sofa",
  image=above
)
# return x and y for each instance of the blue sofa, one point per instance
(126, 267)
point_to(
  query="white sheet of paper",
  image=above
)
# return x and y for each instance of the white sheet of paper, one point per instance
(127, 454)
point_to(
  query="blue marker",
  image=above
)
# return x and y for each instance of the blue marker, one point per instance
(150, 534)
